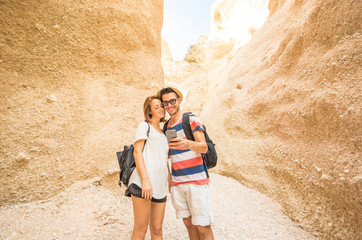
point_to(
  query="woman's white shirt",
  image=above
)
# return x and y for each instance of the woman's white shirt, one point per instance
(155, 155)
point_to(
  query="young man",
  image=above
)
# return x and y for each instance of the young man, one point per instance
(189, 184)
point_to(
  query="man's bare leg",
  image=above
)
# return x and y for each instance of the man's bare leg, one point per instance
(192, 229)
(205, 232)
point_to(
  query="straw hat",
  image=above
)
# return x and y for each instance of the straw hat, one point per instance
(174, 89)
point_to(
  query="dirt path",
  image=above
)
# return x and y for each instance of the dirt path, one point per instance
(94, 209)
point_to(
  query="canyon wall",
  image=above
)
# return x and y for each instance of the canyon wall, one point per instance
(285, 112)
(74, 75)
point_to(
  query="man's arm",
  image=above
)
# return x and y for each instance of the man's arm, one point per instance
(199, 145)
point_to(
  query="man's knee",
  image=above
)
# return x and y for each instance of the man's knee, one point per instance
(188, 222)
(203, 229)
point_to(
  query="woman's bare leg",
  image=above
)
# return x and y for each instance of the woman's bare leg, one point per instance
(141, 212)
(156, 220)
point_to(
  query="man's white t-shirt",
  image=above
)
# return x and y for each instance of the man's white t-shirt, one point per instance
(155, 155)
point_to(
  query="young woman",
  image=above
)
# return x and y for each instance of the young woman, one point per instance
(148, 182)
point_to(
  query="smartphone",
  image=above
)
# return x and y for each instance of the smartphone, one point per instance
(171, 134)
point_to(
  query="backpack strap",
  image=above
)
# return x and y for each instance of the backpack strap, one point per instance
(148, 134)
(190, 136)
(165, 126)
(186, 126)
(148, 131)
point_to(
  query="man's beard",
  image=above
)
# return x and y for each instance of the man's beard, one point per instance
(177, 109)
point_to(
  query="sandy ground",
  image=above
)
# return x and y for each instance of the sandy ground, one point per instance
(96, 209)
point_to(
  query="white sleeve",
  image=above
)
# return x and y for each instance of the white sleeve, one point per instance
(141, 132)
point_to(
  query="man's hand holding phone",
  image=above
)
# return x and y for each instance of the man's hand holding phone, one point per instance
(174, 142)
(179, 144)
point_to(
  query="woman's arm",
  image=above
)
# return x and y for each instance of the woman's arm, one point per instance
(141, 168)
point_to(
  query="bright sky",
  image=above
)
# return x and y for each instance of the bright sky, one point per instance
(184, 21)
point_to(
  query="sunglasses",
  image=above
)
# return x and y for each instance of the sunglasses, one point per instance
(172, 102)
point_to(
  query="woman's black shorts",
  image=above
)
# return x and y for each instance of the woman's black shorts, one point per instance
(136, 191)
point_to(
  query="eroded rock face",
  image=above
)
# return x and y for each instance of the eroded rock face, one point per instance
(74, 75)
(285, 112)
(197, 52)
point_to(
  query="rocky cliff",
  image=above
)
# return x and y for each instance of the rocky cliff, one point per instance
(285, 112)
(74, 75)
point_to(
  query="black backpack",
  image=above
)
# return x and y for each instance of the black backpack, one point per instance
(126, 162)
(210, 157)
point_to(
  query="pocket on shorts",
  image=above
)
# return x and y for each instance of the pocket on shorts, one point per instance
(200, 204)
